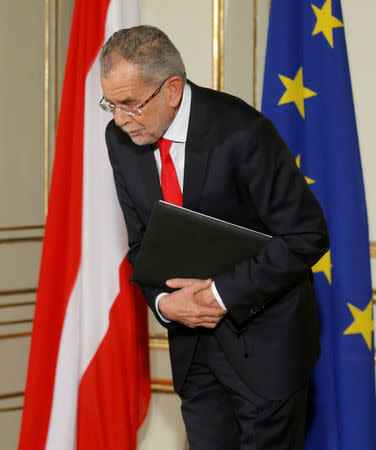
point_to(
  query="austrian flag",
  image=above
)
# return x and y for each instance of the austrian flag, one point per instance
(88, 384)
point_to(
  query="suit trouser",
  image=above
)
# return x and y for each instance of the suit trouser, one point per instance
(222, 413)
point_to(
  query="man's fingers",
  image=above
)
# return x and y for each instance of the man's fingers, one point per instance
(203, 324)
(199, 285)
(178, 283)
(208, 325)
(182, 305)
(209, 312)
(202, 316)
(207, 322)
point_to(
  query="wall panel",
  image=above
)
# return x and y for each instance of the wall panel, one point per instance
(189, 26)
(238, 49)
(22, 196)
(19, 264)
(9, 424)
(21, 115)
(164, 427)
(360, 40)
(13, 361)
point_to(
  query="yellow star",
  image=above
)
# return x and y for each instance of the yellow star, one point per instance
(325, 21)
(324, 265)
(308, 180)
(295, 91)
(362, 324)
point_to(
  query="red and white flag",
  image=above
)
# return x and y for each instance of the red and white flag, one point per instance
(88, 384)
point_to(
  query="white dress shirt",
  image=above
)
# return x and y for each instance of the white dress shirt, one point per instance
(177, 133)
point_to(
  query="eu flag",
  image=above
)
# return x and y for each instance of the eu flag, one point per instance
(307, 95)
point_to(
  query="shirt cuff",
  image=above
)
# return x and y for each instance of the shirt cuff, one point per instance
(158, 297)
(216, 295)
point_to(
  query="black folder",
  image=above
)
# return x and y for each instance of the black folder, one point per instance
(180, 243)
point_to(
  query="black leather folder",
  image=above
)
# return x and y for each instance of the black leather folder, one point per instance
(180, 243)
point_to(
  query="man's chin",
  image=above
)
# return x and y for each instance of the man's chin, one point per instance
(138, 138)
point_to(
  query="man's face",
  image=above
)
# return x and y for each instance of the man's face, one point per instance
(123, 85)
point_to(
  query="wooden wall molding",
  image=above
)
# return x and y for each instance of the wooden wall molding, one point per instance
(18, 291)
(372, 249)
(218, 45)
(21, 239)
(158, 341)
(22, 228)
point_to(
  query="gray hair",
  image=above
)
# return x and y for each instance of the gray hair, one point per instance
(149, 48)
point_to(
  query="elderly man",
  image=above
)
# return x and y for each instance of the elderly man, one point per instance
(244, 344)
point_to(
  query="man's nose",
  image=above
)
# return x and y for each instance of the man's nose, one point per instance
(121, 118)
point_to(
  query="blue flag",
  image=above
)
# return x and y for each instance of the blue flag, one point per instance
(307, 95)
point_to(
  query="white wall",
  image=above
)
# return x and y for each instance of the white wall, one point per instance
(361, 41)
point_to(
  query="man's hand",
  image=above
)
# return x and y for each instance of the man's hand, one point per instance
(205, 297)
(193, 304)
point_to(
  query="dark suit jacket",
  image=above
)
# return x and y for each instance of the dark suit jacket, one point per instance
(238, 168)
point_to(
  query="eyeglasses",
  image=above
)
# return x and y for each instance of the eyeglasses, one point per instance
(129, 110)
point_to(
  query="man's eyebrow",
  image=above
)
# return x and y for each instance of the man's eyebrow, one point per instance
(127, 100)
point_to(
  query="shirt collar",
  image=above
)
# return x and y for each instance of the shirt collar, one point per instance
(177, 131)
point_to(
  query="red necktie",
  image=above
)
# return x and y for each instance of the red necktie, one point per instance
(169, 180)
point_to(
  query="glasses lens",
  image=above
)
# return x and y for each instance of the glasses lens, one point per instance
(106, 107)
(129, 110)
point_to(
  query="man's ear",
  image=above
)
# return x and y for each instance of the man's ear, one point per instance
(174, 88)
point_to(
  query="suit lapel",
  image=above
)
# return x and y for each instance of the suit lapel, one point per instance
(150, 175)
(197, 150)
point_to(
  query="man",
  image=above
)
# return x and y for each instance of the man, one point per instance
(244, 344)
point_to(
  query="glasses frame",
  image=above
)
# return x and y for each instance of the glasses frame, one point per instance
(110, 107)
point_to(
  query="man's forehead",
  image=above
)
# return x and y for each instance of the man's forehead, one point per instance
(122, 82)
(122, 69)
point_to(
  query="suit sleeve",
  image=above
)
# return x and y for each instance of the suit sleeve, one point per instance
(135, 229)
(277, 190)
